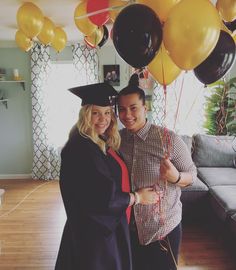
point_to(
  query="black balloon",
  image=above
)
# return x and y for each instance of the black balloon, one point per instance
(218, 62)
(137, 34)
(105, 36)
(231, 25)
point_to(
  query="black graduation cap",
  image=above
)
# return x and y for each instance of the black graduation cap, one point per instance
(101, 94)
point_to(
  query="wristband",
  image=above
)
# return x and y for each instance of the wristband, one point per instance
(132, 199)
(179, 178)
(137, 198)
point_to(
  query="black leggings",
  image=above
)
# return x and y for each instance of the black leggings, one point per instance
(159, 255)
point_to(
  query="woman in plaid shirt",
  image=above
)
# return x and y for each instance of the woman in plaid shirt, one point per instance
(156, 158)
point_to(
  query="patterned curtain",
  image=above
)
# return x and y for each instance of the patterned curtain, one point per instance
(158, 105)
(46, 157)
(86, 64)
(46, 161)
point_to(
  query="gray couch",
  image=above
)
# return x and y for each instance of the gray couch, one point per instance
(215, 188)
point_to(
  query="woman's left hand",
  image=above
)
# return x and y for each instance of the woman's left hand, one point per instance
(168, 171)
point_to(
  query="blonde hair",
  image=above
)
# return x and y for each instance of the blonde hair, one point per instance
(86, 129)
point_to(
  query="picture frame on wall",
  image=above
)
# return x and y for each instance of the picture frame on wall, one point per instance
(111, 74)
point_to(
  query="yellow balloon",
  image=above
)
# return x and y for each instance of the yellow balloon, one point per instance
(47, 34)
(30, 19)
(227, 9)
(60, 39)
(95, 38)
(191, 32)
(84, 24)
(234, 37)
(161, 7)
(116, 3)
(22, 41)
(162, 68)
(224, 28)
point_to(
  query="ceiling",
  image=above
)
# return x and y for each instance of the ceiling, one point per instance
(61, 12)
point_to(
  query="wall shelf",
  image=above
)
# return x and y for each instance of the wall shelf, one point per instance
(21, 82)
(4, 102)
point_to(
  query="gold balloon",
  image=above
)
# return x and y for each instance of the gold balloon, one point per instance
(30, 19)
(84, 24)
(227, 9)
(161, 7)
(224, 28)
(191, 32)
(47, 33)
(116, 3)
(95, 38)
(22, 41)
(60, 39)
(234, 36)
(162, 68)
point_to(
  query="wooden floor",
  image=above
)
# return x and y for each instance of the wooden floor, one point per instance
(32, 218)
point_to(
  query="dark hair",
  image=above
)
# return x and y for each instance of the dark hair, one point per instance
(133, 88)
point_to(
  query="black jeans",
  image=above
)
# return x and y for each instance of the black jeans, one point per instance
(159, 255)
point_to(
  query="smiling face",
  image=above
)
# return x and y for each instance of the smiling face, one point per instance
(132, 112)
(101, 118)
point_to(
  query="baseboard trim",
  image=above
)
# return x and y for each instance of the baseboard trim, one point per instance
(15, 176)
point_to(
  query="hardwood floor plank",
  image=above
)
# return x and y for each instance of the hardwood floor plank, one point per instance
(30, 233)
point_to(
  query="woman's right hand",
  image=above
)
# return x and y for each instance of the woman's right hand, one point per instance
(148, 196)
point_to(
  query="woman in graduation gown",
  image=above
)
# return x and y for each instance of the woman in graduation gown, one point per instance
(95, 190)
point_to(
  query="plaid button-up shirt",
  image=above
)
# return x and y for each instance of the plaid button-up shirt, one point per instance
(142, 152)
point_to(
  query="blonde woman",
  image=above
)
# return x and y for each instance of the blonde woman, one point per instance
(94, 184)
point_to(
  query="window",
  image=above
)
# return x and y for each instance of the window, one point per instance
(63, 106)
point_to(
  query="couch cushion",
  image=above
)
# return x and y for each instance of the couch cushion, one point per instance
(217, 176)
(188, 141)
(214, 151)
(194, 192)
(232, 224)
(223, 200)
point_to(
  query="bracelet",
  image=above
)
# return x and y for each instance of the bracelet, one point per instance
(132, 199)
(137, 198)
(179, 178)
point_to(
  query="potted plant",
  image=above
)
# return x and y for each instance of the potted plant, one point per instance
(221, 108)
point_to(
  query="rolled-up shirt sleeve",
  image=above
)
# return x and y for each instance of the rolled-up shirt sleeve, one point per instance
(181, 157)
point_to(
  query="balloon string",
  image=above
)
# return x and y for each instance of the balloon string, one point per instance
(101, 11)
(162, 68)
(96, 37)
(167, 142)
(177, 110)
(164, 85)
(194, 102)
(18, 204)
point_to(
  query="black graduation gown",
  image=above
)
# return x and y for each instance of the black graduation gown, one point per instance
(96, 235)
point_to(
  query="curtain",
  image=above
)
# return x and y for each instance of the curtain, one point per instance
(158, 105)
(46, 157)
(86, 64)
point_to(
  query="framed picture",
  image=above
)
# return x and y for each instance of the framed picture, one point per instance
(111, 74)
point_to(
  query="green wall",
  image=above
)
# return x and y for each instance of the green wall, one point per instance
(15, 122)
